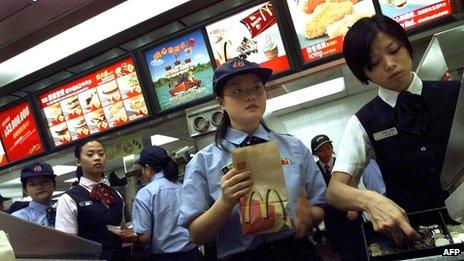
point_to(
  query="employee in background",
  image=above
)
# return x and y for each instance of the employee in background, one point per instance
(156, 208)
(2, 200)
(38, 182)
(405, 128)
(90, 208)
(210, 207)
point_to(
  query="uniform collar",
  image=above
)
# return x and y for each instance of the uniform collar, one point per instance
(390, 96)
(38, 206)
(88, 183)
(157, 176)
(237, 137)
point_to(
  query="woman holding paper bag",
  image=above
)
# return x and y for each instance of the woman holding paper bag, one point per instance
(213, 187)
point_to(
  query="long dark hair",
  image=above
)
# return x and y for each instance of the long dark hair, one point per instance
(169, 168)
(77, 154)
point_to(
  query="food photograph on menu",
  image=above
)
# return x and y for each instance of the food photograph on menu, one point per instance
(19, 134)
(321, 25)
(413, 13)
(180, 70)
(252, 34)
(101, 100)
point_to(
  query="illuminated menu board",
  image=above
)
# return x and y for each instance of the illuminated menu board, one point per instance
(3, 159)
(99, 101)
(413, 13)
(19, 133)
(181, 71)
(322, 25)
(252, 34)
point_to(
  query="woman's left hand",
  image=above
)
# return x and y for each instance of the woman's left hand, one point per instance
(304, 220)
(128, 235)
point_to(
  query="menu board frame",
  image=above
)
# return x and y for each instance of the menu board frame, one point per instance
(111, 129)
(30, 102)
(148, 80)
(281, 23)
(427, 25)
(285, 9)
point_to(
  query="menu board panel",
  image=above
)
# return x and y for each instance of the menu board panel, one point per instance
(252, 34)
(19, 133)
(413, 13)
(101, 100)
(3, 159)
(322, 25)
(181, 70)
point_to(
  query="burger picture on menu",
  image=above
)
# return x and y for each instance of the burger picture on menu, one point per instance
(110, 91)
(116, 114)
(73, 106)
(137, 105)
(80, 127)
(61, 133)
(97, 118)
(90, 100)
(54, 114)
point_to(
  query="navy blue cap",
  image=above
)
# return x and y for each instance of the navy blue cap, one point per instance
(237, 66)
(35, 170)
(318, 141)
(154, 156)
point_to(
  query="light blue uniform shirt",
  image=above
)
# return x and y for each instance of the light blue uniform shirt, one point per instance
(202, 187)
(372, 178)
(155, 213)
(35, 212)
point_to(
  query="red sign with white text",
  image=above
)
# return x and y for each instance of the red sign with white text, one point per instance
(105, 99)
(19, 133)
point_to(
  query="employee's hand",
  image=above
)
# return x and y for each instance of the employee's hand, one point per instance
(304, 220)
(235, 184)
(352, 215)
(389, 218)
(128, 235)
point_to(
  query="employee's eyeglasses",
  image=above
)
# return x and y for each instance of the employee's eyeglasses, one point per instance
(242, 92)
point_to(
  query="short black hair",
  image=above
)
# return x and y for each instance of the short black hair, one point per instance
(358, 41)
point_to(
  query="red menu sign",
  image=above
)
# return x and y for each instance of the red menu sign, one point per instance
(19, 133)
(105, 99)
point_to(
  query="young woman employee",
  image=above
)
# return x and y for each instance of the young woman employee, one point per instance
(88, 208)
(405, 128)
(210, 206)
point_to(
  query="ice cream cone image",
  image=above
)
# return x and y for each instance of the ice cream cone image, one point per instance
(270, 48)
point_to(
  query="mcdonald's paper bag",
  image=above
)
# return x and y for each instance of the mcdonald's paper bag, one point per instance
(264, 209)
(6, 251)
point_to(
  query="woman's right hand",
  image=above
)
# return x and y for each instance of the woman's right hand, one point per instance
(390, 219)
(234, 185)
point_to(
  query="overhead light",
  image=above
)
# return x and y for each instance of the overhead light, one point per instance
(159, 140)
(306, 95)
(71, 180)
(63, 169)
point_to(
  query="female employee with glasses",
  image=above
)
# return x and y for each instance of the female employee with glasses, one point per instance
(210, 206)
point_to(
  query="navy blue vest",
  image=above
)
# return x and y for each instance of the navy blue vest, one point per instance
(93, 216)
(411, 164)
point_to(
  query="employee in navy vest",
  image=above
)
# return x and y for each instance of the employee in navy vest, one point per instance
(38, 180)
(156, 208)
(89, 208)
(405, 128)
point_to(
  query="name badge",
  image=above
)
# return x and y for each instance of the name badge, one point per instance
(85, 203)
(385, 134)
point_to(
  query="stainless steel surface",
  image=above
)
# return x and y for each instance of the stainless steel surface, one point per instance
(443, 54)
(453, 164)
(30, 240)
(455, 204)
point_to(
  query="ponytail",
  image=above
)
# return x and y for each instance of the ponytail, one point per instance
(171, 171)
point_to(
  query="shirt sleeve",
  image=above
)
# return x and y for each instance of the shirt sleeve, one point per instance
(194, 192)
(315, 184)
(142, 214)
(355, 150)
(66, 215)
